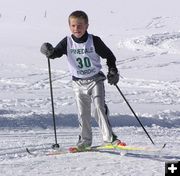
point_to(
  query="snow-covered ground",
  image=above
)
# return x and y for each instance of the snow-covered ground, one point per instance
(144, 36)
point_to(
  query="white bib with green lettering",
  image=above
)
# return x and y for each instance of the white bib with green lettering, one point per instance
(83, 61)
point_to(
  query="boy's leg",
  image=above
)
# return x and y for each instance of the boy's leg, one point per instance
(101, 112)
(83, 101)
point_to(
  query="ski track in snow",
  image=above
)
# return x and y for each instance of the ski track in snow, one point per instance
(36, 88)
(66, 164)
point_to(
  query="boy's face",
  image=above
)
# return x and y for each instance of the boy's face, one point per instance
(78, 26)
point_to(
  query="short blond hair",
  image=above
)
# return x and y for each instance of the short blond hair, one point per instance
(79, 14)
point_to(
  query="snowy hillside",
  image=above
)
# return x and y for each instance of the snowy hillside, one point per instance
(145, 38)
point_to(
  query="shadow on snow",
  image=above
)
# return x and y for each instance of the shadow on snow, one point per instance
(71, 120)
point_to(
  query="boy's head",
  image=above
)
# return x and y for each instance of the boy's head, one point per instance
(78, 23)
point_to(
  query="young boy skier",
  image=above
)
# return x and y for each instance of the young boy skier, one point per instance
(83, 52)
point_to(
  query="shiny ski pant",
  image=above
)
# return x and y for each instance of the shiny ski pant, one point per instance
(89, 92)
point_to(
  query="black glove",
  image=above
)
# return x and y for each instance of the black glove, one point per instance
(47, 49)
(113, 76)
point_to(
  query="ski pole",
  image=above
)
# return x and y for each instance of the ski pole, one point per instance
(134, 114)
(56, 145)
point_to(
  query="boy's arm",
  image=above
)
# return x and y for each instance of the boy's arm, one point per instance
(103, 51)
(60, 49)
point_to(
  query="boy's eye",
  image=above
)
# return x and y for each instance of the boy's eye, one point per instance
(77, 26)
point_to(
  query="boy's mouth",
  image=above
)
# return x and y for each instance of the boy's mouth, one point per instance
(77, 32)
